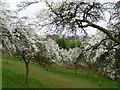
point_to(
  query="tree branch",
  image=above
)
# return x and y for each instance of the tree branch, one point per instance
(108, 33)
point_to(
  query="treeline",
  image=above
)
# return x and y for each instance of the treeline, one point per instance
(67, 44)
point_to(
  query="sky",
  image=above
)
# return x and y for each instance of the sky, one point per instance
(29, 11)
(32, 9)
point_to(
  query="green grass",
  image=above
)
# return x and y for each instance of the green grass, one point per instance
(57, 77)
(16, 80)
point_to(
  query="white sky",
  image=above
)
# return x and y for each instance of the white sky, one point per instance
(29, 11)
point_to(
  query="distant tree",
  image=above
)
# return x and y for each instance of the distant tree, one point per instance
(46, 54)
(72, 44)
(67, 44)
(62, 43)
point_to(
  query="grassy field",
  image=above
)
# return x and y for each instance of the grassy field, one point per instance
(13, 76)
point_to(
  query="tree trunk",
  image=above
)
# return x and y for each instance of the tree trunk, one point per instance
(27, 61)
(27, 72)
(118, 84)
(89, 71)
(99, 82)
(75, 69)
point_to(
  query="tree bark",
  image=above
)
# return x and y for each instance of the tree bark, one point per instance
(27, 72)
(107, 32)
(27, 61)
(27, 68)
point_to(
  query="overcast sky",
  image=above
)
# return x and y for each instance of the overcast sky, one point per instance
(29, 11)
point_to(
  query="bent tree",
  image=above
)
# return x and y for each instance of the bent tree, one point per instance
(80, 15)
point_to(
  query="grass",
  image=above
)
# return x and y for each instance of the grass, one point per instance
(16, 80)
(57, 77)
